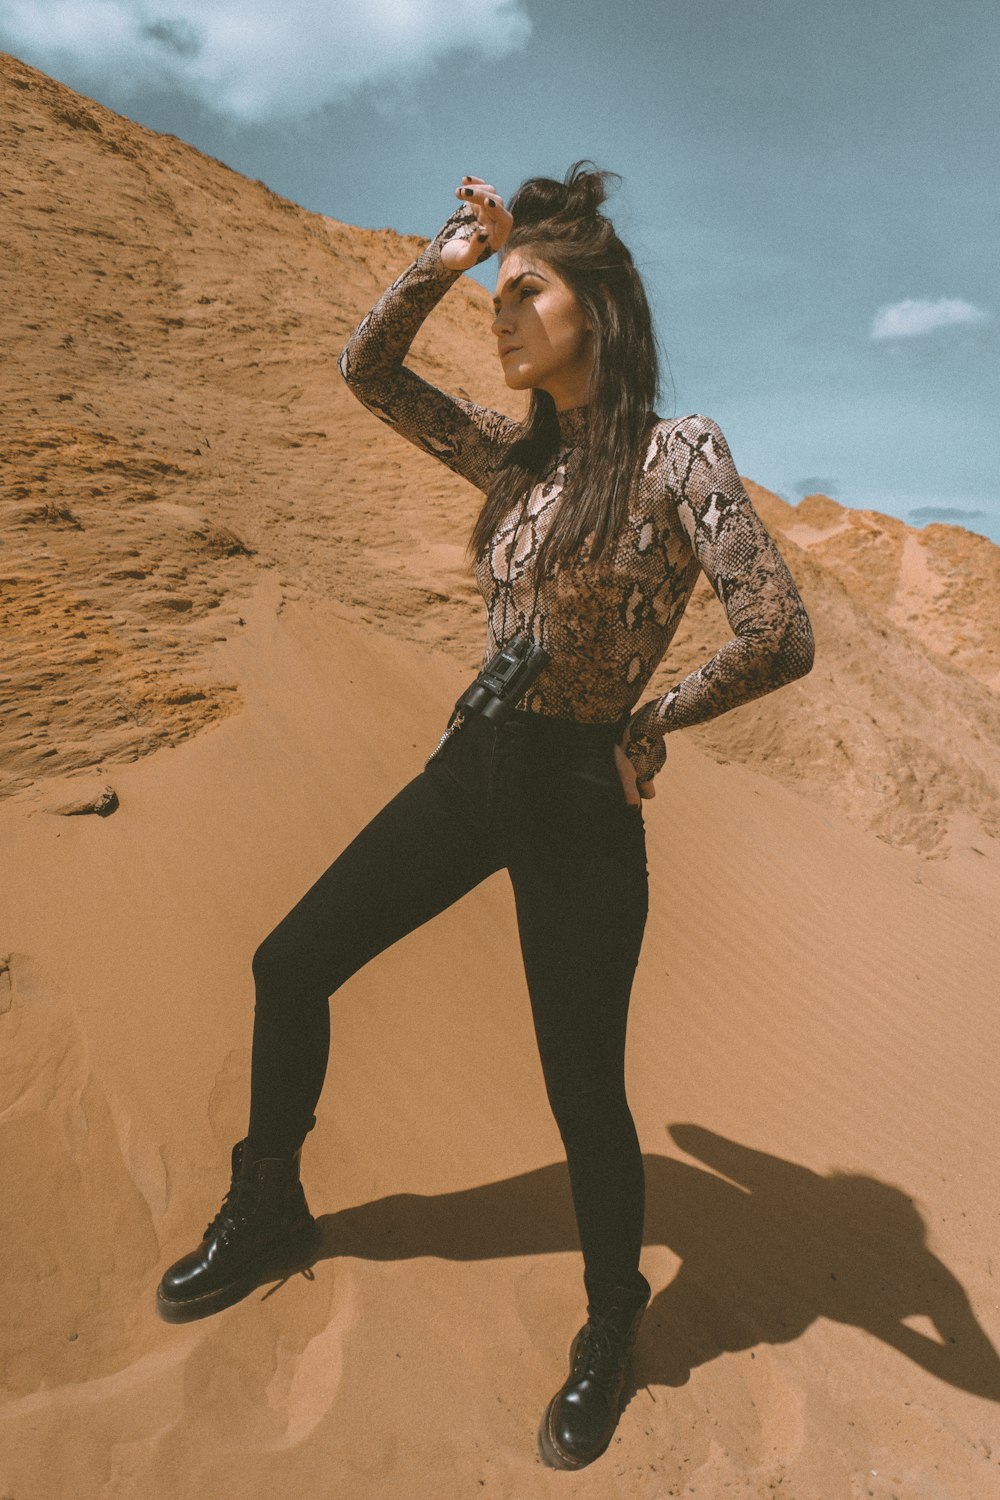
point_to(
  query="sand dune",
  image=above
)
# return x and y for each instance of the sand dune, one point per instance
(236, 611)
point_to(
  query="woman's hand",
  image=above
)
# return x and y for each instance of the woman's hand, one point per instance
(493, 225)
(634, 793)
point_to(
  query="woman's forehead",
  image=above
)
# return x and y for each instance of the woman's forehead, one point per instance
(521, 263)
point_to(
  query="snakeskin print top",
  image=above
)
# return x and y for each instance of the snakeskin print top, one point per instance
(606, 625)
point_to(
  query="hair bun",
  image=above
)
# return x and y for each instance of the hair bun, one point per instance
(544, 199)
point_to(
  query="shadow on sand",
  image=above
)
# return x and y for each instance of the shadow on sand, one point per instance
(766, 1246)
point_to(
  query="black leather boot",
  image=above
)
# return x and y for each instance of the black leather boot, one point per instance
(581, 1418)
(263, 1232)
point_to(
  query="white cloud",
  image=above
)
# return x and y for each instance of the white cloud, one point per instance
(903, 320)
(253, 60)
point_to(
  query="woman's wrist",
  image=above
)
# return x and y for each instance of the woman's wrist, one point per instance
(644, 743)
(462, 223)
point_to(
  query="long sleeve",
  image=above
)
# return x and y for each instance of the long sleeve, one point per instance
(466, 437)
(773, 640)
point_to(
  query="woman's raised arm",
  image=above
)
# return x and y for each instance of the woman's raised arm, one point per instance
(468, 438)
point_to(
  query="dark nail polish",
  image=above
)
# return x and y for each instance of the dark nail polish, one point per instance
(492, 202)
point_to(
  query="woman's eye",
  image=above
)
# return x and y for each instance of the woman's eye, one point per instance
(528, 291)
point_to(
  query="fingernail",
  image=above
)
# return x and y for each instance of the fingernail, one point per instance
(492, 202)
(467, 192)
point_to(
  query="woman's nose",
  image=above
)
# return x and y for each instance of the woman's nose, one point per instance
(501, 324)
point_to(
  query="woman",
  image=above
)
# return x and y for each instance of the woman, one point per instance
(597, 519)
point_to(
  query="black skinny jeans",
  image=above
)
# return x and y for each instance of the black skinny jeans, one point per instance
(542, 798)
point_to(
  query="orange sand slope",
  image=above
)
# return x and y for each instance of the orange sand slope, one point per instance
(221, 584)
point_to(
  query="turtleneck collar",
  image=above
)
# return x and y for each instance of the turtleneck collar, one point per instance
(573, 424)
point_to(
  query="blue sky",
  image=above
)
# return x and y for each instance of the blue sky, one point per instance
(811, 187)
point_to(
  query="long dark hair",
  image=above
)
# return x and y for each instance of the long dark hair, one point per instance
(561, 223)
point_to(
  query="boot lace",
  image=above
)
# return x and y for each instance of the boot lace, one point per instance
(602, 1350)
(237, 1208)
(606, 1343)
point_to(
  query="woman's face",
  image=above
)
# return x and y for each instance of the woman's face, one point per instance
(544, 339)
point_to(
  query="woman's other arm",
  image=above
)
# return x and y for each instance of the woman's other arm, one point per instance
(773, 640)
(466, 437)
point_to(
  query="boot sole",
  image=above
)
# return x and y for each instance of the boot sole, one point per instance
(283, 1261)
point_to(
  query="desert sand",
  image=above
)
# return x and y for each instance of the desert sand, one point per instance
(236, 612)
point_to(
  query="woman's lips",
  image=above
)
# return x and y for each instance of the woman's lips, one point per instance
(510, 349)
